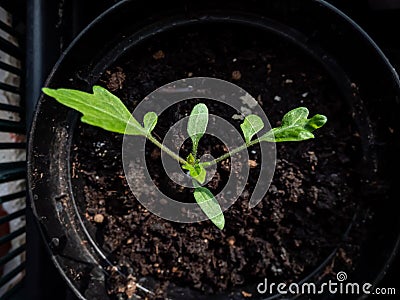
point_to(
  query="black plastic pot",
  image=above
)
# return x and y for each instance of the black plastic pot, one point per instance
(317, 28)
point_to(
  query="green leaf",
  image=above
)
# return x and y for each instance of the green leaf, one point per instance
(316, 122)
(101, 109)
(190, 159)
(295, 127)
(199, 174)
(210, 206)
(197, 125)
(150, 121)
(251, 125)
(196, 172)
(296, 116)
(293, 134)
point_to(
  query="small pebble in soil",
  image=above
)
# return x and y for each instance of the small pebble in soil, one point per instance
(246, 294)
(304, 95)
(130, 287)
(269, 69)
(252, 163)
(277, 98)
(231, 241)
(297, 243)
(259, 100)
(99, 218)
(159, 55)
(236, 75)
(288, 81)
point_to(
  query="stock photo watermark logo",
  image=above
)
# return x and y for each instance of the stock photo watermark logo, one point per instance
(340, 286)
(224, 94)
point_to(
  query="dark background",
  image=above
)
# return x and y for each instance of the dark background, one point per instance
(50, 27)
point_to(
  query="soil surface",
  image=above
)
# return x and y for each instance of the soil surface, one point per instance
(299, 223)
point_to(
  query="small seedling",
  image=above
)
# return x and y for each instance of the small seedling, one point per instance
(105, 110)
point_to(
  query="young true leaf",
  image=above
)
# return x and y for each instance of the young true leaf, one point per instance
(101, 109)
(297, 116)
(315, 122)
(251, 125)
(210, 206)
(196, 172)
(150, 121)
(295, 127)
(197, 125)
(293, 134)
(190, 159)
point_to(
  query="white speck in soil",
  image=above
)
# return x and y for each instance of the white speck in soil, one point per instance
(98, 218)
(237, 117)
(276, 270)
(245, 111)
(248, 100)
(59, 207)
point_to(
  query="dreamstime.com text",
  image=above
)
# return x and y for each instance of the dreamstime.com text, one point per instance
(332, 287)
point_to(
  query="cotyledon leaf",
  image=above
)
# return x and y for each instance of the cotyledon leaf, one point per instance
(210, 206)
(197, 124)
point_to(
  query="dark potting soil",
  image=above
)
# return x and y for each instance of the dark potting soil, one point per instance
(302, 219)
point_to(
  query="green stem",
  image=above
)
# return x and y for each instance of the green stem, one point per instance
(194, 150)
(229, 154)
(166, 149)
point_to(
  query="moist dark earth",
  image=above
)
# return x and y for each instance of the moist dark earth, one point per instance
(301, 220)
